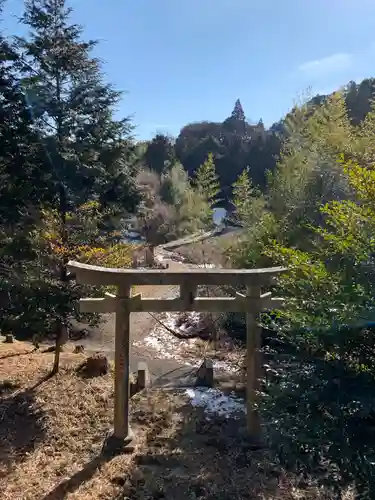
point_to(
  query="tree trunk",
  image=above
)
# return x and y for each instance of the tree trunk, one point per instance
(61, 339)
(62, 330)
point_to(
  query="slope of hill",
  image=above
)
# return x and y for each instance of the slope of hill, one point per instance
(236, 143)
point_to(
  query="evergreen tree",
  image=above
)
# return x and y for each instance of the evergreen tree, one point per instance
(25, 189)
(247, 200)
(159, 155)
(237, 130)
(24, 173)
(73, 108)
(91, 152)
(238, 112)
(208, 187)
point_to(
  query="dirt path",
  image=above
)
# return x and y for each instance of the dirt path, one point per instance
(102, 338)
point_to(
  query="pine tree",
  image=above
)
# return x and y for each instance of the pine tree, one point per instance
(25, 189)
(208, 187)
(24, 174)
(72, 107)
(238, 112)
(247, 200)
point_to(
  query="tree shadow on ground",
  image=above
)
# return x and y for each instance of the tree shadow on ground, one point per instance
(22, 425)
(201, 458)
(70, 485)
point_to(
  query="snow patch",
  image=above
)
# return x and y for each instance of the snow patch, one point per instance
(187, 351)
(170, 347)
(215, 402)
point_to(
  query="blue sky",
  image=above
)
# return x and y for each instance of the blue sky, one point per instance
(189, 60)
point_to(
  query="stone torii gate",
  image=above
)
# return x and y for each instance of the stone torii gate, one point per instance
(252, 303)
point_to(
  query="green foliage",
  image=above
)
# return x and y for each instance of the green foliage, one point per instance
(159, 155)
(308, 175)
(238, 113)
(25, 177)
(237, 143)
(234, 143)
(333, 272)
(207, 187)
(318, 404)
(189, 205)
(25, 188)
(247, 200)
(171, 207)
(73, 108)
(319, 222)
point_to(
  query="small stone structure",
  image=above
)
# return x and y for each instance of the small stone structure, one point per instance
(205, 374)
(143, 376)
(143, 257)
(139, 380)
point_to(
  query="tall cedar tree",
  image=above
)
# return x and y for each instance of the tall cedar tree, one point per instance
(24, 174)
(73, 111)
(73, 107)
(238, 112)
(25, 188)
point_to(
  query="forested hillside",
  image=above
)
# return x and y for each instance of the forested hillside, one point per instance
(236, 143)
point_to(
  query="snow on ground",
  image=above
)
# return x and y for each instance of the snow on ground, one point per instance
(215, 402)
(189, 351)
(169, 346)
(186, 351)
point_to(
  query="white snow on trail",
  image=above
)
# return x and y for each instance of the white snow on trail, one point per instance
(189, 351)
(215, 402)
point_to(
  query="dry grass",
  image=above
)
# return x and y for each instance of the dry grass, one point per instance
(52, 431)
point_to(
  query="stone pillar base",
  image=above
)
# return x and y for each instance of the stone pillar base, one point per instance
(114, 444)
